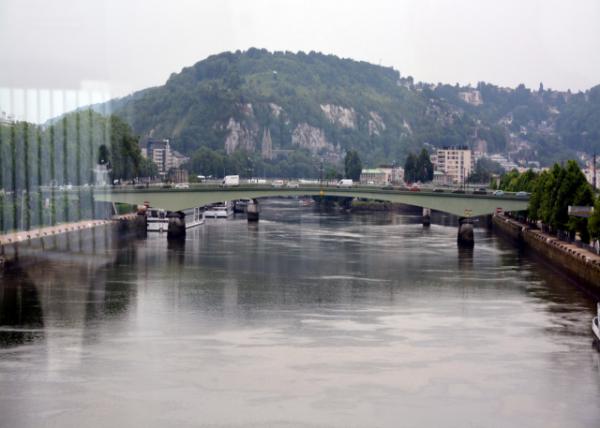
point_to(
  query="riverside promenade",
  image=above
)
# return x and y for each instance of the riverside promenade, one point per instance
(10, 241)
(27, 235)
(565, 256)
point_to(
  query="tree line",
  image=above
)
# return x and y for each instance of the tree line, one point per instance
(552, 192)
(36, 160)
(418, 167)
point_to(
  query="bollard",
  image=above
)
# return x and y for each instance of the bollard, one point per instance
(176, 228)
(426, 219)
(465, 232)
(253, 211)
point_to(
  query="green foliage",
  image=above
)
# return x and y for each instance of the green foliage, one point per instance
(484, 170)
(594, 221)
(352, 165)
(195, 106)
(551, 194)
(36, 160)
(515, 182)
(418, 168)
(216, 163)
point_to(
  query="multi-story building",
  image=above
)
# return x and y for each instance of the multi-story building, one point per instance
(384, 174)
(378, 176)
(159, 151)
(456, 163)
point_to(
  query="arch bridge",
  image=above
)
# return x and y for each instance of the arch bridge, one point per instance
(458, 204)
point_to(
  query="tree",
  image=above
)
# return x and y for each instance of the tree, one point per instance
(410, 168)
(353, 165)
(424, 167)
(484, 170)
(594, 221)
(583, 197)
(568, 186)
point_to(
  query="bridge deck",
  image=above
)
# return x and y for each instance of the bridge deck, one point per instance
(454, 203)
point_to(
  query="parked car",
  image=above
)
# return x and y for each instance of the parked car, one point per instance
(458, 191)
(292, 184)
(182, 186)
(415, 188)
(277, 183)
(480, 191)
(499, 193)
(522, 194)
(438, 190)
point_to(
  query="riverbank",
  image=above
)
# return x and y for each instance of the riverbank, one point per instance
(9, 242)
(569, 258)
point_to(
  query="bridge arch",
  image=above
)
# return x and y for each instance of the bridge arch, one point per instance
(458, 204)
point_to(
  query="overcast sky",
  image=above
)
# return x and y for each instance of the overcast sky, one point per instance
(58, 54)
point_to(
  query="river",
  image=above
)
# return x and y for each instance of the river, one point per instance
(307, 319)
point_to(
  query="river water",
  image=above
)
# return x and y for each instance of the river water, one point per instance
(308, 319)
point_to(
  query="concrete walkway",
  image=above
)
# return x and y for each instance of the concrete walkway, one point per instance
(26, 235)
(573, 249)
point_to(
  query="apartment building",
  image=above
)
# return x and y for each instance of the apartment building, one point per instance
(456, 163)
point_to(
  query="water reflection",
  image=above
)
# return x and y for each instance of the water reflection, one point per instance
(20, 310)
(306, 319)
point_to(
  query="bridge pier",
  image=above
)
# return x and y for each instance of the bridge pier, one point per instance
(253, 211)
(426, 217)
(465, 232)
(176, 228)
(140, 224)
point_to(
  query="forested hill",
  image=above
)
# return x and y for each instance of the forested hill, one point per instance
(282, 104)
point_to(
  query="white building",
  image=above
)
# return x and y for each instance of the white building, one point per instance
(159, 151)
(504, 162)
(384, 174)
(377, 176)
(456, 163)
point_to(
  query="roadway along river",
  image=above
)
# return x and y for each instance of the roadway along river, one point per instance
(306, 320)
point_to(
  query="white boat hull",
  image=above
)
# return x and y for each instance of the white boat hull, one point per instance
(193, 217)
(219, 211)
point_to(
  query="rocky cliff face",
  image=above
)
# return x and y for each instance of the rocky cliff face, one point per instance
(340, 116)
(376, 124)
(311, 138)
(240, 137)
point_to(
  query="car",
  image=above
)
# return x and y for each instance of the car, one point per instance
(277, 183)
(182, 186)
(346, 182)
(438, 190)
(521, 194)
(292, 184)
(415, 189)
(498, 193)
(458, 191)
(480, 191)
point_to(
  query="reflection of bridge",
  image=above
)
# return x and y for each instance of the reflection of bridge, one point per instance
(459, 204)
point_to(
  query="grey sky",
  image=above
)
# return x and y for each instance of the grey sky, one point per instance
(58, 54)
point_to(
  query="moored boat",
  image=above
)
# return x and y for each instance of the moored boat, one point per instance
(222, 210)
(194, 217)
(158, 219)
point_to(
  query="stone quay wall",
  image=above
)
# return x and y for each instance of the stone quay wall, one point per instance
(575, 261)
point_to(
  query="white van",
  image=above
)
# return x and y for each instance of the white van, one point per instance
(346, 182)
(231, 180)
